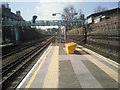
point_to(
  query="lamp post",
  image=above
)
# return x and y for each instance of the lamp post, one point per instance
(54, 14)
(65, 32)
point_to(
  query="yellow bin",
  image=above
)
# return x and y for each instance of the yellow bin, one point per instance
(70, 47)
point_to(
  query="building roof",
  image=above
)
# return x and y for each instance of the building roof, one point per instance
(105, 12)
(6, 12)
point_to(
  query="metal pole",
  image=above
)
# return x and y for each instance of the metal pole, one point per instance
(60, 40)
(64, 29)
(85, 29)
(64, 33)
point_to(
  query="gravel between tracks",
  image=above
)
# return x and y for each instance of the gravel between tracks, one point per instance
(16, 55)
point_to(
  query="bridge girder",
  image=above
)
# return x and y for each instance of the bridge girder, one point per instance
(44, 23)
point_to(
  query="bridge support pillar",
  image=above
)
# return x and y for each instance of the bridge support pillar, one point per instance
(17, 36)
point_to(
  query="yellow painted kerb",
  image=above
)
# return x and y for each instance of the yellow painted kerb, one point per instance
(101, 58)
(105, 68)
(35, 73)
(51, 79)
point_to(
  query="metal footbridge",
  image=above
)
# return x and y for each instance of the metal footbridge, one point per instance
(44, 23)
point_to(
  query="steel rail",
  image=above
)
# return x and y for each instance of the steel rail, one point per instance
(16, 51)
(23, 60)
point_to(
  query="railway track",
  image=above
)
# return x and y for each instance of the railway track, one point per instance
(15, 71)
(15, 49)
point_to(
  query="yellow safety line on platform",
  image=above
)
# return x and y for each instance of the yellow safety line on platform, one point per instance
(51, 79)
(37, 70)
(101, 58)
(105, 68)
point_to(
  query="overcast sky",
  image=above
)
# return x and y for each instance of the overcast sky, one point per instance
(44, 8)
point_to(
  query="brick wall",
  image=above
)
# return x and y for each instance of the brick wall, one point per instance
(103, 36)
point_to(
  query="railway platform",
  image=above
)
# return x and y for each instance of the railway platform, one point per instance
(83, 69)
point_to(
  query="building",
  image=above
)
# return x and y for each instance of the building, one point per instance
(7, 15)
(97, 17)
(9, 33)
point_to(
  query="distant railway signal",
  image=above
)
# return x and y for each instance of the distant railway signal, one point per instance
(34, 18)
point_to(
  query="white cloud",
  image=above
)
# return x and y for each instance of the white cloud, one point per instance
(46, 9)
(80, 0)
(59, 0)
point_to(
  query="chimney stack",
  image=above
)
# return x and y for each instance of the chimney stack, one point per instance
(18, 13)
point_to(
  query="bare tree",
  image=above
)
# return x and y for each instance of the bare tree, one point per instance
(99, 9)
(119, 4)
(69, 12)
(80, 12)
(81, 15)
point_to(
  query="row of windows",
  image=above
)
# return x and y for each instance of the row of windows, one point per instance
(8, 19)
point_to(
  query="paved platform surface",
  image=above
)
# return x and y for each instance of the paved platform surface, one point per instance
(83, 69)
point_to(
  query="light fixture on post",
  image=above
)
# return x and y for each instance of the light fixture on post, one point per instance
(54, 14)
(65, 17)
